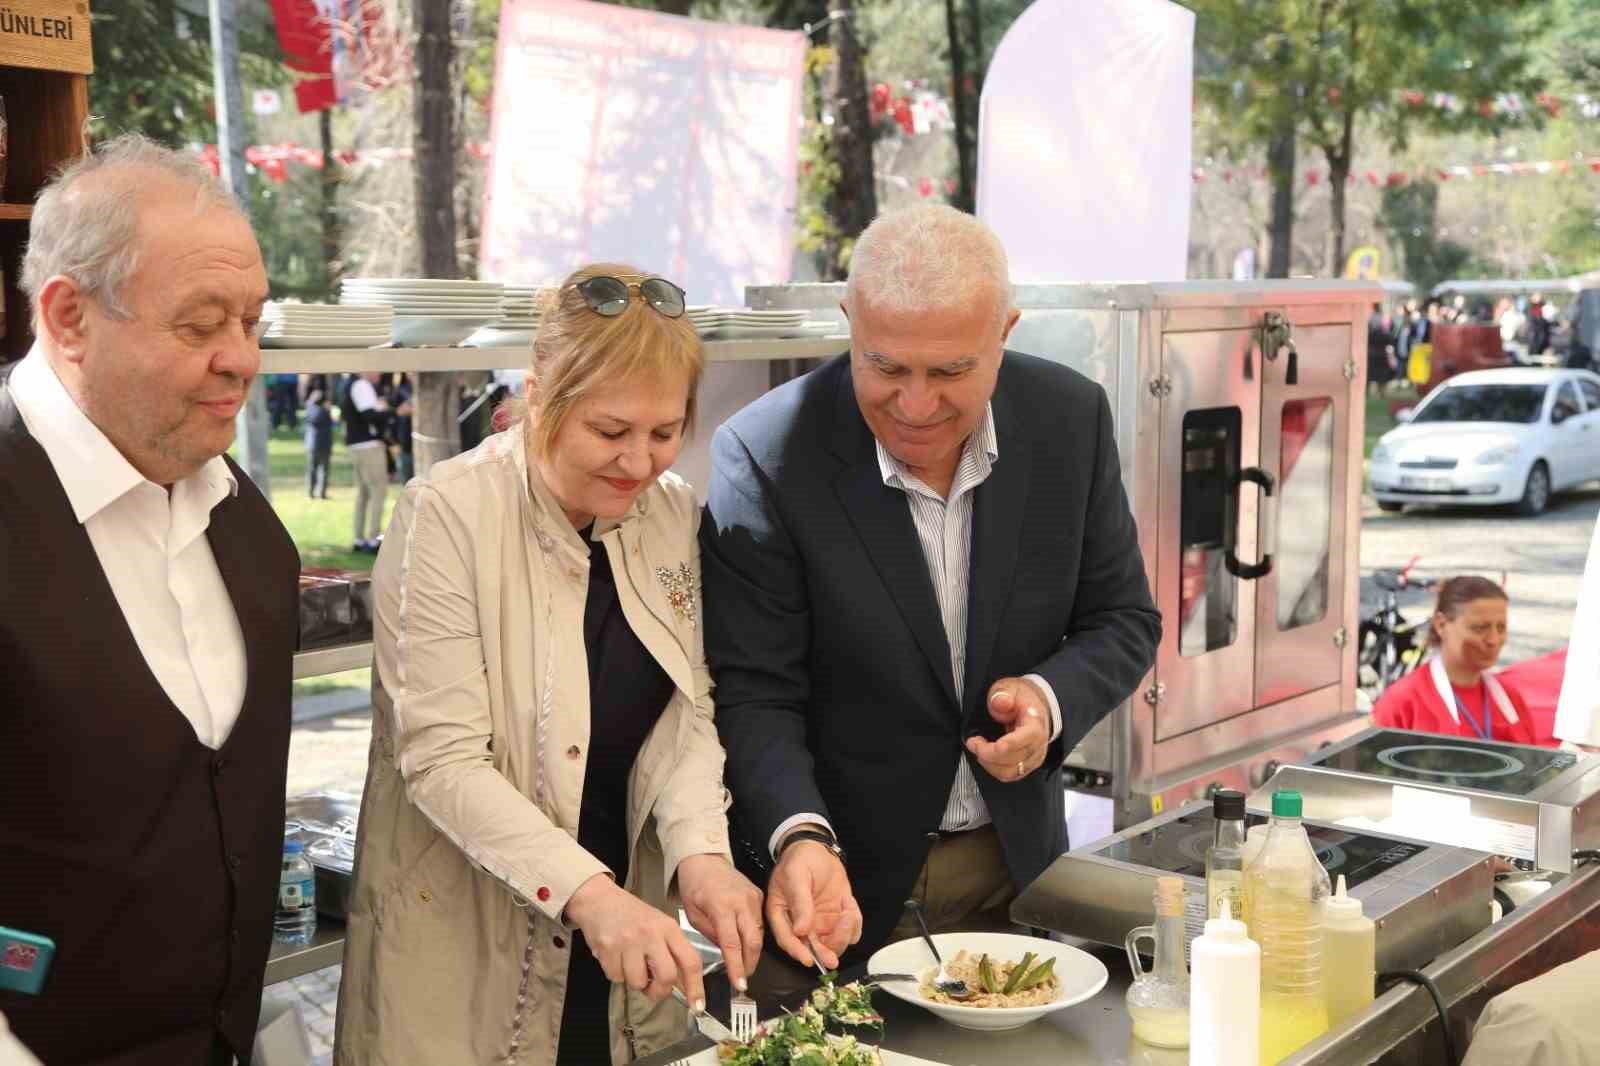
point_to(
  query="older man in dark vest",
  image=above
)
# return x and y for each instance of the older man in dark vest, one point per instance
(147, 626)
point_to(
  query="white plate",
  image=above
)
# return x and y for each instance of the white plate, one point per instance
(440, 284)
(708, 1057)
(348, 321)
(375, 296)
(314, 331)
(308, 340)
(368, 300)
(426, 311)
(428, 306)
(1080, 973)
(496, 337)
(309, 309)
(436, 329)
(730, 332)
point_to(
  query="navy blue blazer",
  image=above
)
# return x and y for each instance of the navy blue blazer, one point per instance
(833, 684)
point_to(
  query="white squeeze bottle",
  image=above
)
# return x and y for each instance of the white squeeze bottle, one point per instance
(1349, 956)
(1224, 994)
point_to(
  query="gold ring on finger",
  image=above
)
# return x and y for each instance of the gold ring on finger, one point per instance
(1019, 771)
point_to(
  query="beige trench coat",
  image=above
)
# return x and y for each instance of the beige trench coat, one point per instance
(467, 853)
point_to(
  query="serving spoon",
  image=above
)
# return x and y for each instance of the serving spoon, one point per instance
(953, 987)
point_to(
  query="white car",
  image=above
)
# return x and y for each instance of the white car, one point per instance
(1503, 436)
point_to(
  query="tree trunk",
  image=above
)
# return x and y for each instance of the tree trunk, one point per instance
(1338, 170)
(331, 265)
(435, 434)
(1339, 174)
(975, 96)
(1280, 162)
(964, 197)
(250, 424)
(854, 200)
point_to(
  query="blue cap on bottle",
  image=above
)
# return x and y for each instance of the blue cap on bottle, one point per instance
(293, 847)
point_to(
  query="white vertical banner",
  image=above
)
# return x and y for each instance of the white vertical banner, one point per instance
(665, 142)
(1084, 141)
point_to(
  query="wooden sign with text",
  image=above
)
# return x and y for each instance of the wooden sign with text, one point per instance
(46, 35)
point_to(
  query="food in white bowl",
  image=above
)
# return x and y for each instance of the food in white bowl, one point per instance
(994, 983)
(1076, 975)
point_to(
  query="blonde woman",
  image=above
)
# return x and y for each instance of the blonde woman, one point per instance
(545, 781)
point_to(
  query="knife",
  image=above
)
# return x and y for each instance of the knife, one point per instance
(709, 1027)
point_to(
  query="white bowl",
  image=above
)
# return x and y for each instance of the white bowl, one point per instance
(434, 330)
(1080, 973)
(496, 337)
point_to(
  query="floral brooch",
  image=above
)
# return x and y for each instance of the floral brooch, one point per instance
(679, 583)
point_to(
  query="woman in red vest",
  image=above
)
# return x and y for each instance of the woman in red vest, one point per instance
(1454, 693)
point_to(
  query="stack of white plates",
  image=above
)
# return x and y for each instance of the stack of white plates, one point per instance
(743, 324)
(519, 309)
(519, 318)
(704, 318)
(428, 311)
(291, 325)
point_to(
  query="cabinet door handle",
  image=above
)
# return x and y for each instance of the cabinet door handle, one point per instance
(1269, 528)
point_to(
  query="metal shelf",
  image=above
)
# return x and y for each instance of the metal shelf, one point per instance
(354, 360)
(332, 660)
(284, 963)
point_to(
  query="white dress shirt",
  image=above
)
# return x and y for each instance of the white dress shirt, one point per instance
(153, 550)
(365, 396)
(944, 529)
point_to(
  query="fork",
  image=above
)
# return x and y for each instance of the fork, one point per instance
(742, 1015)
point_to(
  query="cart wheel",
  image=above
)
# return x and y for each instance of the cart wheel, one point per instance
(1390, 506)
(1536, 494)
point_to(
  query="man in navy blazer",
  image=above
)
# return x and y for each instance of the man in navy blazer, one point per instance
(923, 587)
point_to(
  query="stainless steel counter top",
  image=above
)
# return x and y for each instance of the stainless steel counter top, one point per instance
(1099, 1031)
(1092, 1033)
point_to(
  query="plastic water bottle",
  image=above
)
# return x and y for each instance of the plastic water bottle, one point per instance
(296, 921)
(1284, 889)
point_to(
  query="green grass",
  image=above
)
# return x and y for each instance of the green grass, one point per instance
(316, 686)
(322, 529)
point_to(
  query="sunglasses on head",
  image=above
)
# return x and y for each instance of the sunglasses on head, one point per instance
(609, 296)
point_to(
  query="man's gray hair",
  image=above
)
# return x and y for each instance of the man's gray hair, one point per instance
(86, 221)
(927, 256)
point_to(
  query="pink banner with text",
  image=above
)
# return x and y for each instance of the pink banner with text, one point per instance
(621, 134)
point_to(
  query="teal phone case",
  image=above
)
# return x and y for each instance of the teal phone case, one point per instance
(24, 960)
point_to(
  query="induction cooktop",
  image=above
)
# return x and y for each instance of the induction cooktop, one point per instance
(1532, 803)
(1456, 762)
(1425, 898)
(1179, 847)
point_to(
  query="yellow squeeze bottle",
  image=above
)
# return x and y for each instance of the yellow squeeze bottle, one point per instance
(1349, 956)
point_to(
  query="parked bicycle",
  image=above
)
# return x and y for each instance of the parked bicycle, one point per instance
(1391, 645)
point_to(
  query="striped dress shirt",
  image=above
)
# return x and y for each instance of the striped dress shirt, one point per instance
(944, 529)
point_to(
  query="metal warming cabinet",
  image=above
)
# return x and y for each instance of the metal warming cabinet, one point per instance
(1238, 418)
